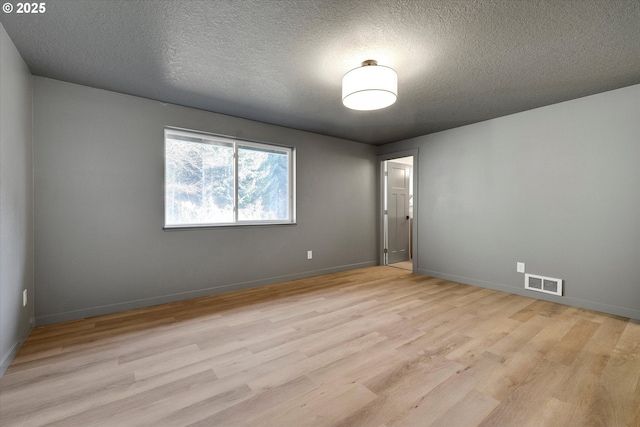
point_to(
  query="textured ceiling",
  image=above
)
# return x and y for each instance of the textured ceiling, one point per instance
(282, 62)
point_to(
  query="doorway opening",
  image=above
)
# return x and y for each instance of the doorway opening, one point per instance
(398, 208)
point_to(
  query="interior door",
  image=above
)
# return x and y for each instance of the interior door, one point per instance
(398, 176)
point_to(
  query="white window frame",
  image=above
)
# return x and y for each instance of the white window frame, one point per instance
(236, 143)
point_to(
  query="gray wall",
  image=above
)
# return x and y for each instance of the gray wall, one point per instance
(557, 187)
(16, 201)
(99, 207)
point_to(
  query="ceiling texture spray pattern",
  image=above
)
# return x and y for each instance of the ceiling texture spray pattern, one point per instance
(282, 62)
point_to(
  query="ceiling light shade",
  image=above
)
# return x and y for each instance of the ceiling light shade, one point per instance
(369, 87)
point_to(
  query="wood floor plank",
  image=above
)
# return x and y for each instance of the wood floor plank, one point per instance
(376, 346)
(322, 406)
(579, 387)
(570, 345)
(469, 411)
(494, 332)
(188, 407)
(437, 402)
(616, 396)
(315, 362)
(519, 365)
(248, 411)
(521, 406)
(399, 387)
(140, 401)
(519, 336)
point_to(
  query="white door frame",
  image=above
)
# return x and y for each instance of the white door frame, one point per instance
(414, 176)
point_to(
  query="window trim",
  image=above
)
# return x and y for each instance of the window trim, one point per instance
(235, 142)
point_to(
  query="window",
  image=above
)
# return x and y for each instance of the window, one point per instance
(213, 180)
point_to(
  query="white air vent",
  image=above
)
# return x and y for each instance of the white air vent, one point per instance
(547, 285)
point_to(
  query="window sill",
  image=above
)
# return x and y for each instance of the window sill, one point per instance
(220, 226)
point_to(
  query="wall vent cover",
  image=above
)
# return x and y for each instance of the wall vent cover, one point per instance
(544, 284)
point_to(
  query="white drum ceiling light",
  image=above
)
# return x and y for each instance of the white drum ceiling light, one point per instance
(369, 87)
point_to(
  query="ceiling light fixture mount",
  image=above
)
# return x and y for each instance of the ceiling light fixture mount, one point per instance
(370, 87)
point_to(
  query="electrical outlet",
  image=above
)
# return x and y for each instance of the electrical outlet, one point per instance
(520, 267)
(24, 298)
(309, 254)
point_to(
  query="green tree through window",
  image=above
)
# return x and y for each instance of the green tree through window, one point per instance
(204, 183)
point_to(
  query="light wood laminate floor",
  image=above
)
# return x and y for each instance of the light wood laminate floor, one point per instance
(372, 347)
